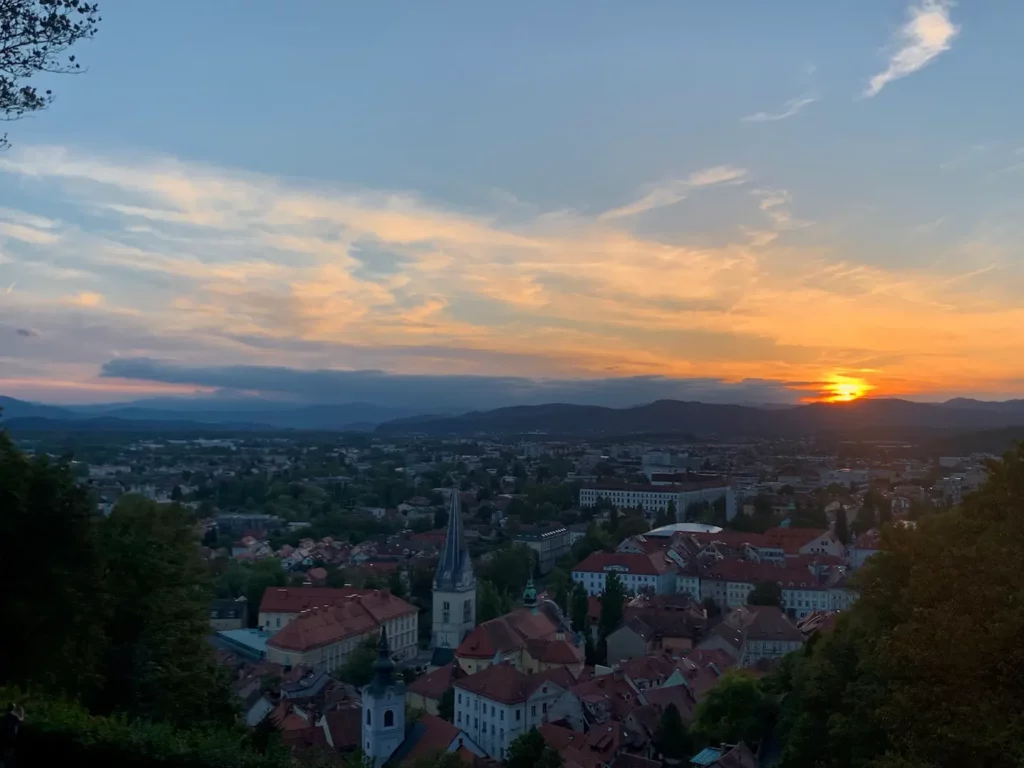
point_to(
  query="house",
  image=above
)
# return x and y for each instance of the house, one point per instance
(751, 633)
(867, 544)
(549, 542)
(638, 572)
(280, 606)
(425, 693)
(534, 638)
(600, 698)
(325, 635)
(229, 614)
(500, 703)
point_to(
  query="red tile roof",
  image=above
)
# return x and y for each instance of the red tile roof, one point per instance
(433, 684)
(507, 633)
(437, 736)
(505, 683)
(383, 605)
(634, 563)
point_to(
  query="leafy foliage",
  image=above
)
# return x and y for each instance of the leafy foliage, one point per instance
(580, 609)
(736, 709)
(446, 706)
(612, 605)
(766, 593)
(672, 737)
(530, 751)
(358, 667)
(925, 669)
(58, 732)
(35, 36)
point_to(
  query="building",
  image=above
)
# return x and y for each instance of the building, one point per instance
(656, 498)
(752, 633)
(550, 542)
(454, 600)
(425, 692)
(229, 614)
(638, 572)
(867, 544)
(383, 719)
(534, 638)
(500, 703)
(325, 633)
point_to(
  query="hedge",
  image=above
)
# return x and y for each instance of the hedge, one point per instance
(60, 732)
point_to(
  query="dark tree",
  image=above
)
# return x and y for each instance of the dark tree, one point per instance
(35, 36)
(672, 738)
(525, 751)
(612, 602)
(766, 593)
(446, 706)
(842, 526)
(358, 668)
(580, 609)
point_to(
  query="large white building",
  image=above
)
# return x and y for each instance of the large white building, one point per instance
(500, 703)
(638, 572)
(656, 498)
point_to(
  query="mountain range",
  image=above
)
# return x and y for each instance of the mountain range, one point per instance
(659, 417)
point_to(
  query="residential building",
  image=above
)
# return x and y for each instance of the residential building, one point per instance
(229, 614)
(326, 633)
(426, 691)
(454, 599)
(534, 638)
(751, 633)
(656, 498)
(866, 545)
(550, 542)
(654, 573)
(500, 703)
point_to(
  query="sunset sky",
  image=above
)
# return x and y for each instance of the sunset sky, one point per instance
(738, 200)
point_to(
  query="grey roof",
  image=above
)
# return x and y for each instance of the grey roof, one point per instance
(454, 569)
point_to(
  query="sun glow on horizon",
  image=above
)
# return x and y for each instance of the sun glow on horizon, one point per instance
(838, 388)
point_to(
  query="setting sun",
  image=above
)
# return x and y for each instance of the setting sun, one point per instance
(842, 389)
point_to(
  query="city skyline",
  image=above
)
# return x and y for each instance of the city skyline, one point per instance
(755, 205)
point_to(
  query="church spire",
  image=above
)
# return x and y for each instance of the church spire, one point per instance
(383, 667)
(454, 569)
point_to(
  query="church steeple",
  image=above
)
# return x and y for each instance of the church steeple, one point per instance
(454, 584)
(454, 569)
(530, 596)
(383, 721)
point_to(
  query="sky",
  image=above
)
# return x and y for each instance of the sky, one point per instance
(734, 201)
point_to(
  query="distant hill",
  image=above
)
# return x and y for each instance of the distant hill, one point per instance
(675, 416)
(248, 413)
(106, 424)
(18, 409)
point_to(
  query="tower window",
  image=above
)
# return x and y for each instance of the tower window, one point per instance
(467, 609)
(368, 717)
(389, 718)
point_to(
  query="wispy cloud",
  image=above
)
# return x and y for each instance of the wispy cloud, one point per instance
(928, 32)
(789, 109)
(675, 191)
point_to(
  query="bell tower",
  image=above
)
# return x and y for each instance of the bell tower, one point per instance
(383, 707)
(454, 584)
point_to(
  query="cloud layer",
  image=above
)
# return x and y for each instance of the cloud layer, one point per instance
(217, 273)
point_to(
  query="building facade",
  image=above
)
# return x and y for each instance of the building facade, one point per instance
(550, 542)
(638, 572)
(656, 498)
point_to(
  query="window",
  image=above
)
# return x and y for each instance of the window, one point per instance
(492, 729)
(502, 715)
(533, 710)
(389, 718)
(492, 710)
(474, 723)
(458, 717)
(467, 610)
(460, 698)
(368, 719)
(518, 713)
(544, 708)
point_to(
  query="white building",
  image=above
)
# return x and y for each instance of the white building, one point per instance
(656, 498)
(638, 572)
(500, 703)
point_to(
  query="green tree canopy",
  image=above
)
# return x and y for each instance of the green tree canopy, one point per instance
(736, 709)
(580, 609)
(358, 667)
(766, 593)
(842, 529)
(673, 738)
(613, 600)
(893, 684)
(525, 751)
